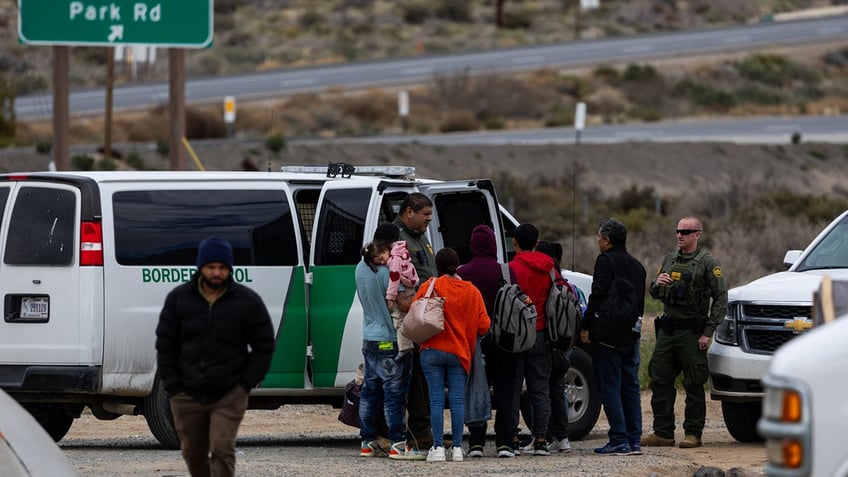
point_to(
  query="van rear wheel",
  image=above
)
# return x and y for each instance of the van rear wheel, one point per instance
(157, 412)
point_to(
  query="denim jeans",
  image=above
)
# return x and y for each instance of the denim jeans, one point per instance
(617, 373)
(383, 390)
(438, 365)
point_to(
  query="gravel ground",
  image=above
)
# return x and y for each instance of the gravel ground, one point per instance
(306, 440)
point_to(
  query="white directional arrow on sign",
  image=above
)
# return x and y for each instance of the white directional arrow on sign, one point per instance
(117, 32)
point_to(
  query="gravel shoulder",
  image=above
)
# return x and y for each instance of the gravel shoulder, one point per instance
(302, 440)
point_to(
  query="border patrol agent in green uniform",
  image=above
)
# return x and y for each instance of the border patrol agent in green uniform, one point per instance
(692, 289)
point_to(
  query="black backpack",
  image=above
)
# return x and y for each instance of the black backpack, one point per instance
(514, 318)
(615, 318)
(562, 314)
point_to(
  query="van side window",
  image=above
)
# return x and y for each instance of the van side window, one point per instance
(164, 227)
(341, 227)
(459, 213)
(41, 229)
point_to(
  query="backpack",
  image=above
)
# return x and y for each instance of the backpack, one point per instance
(562, 314)
(514, 320)
(613, 323)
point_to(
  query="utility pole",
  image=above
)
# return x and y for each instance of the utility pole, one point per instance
(176, 107)
(61, 109)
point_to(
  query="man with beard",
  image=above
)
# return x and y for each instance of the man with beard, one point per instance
(214, 343)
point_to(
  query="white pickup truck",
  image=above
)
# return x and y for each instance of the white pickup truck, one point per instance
(805, 412)
(761, 317)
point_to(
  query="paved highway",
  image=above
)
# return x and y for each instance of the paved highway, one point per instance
(419, 69)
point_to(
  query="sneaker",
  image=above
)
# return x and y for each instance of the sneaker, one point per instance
(635, 448)
(528, 448)
(456, 454)
(506, 452)
(654, 440)
(690, 442)
(436, 454)
(560, 445)
(475, 451)
(541, 448)
(400, 451)
(622, 448)
(371, 449)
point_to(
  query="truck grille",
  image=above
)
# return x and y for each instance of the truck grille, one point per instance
(761, 326)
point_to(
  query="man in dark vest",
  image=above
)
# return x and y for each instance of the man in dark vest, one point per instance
(694, 295)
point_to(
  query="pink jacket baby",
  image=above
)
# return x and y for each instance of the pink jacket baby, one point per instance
(401, 270)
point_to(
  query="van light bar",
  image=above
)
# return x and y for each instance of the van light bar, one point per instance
(345, 170)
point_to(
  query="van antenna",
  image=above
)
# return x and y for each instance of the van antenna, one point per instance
(573, 210)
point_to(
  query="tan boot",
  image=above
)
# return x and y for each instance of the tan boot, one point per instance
(654, 440)
(690, 442)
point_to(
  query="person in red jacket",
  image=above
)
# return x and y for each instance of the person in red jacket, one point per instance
(448, 354)
(532, 269)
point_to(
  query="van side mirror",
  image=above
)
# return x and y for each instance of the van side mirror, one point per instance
(791, 257)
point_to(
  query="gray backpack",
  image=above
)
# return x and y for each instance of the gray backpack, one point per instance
(514, 320)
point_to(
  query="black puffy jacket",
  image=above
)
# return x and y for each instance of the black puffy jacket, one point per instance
(202, 349)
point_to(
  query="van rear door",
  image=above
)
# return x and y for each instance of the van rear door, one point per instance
(44, 287)
(458, 207)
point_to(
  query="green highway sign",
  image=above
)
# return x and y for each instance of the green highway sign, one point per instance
(166, 23)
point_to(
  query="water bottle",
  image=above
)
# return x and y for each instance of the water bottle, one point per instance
(637, 327)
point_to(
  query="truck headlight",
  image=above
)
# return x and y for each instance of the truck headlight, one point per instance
(726, 331)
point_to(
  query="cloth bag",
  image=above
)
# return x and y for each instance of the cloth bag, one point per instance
(426, 317)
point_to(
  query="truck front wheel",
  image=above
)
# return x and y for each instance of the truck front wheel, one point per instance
(157, 412)
(741, 419)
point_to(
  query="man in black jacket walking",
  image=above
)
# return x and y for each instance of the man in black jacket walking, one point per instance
(612, 312)
(214, 343)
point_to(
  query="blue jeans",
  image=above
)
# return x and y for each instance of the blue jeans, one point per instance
(384, 390)
(617, 373)
(438, 365)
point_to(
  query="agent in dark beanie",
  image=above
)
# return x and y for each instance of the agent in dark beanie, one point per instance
(214, 343)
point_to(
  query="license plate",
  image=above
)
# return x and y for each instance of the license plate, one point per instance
(35, 307)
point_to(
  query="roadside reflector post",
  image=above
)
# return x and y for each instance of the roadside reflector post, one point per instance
(229, 114)
(579, 120)
(403, 109)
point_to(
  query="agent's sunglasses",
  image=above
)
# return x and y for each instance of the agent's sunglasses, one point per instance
(686, 231)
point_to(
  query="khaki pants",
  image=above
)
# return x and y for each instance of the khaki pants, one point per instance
(205, 428)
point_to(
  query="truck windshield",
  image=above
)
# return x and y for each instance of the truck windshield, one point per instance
(830, 252)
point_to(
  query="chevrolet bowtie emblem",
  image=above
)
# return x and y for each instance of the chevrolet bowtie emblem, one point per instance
(799, 324)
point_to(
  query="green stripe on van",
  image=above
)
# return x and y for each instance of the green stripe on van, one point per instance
(289, 360)
(331, 296)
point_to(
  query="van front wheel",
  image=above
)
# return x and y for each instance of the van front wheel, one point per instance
(157, 412)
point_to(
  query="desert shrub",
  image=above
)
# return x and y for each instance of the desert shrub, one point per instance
(809, 207)
(796, 138)
(82, 162)
(520, 20)
(774, 70)
(43, 147)
(106, 164)
(458, 121)
(416, 13)
(310, 18)
(645, 113)
(204, 124)
(759, 94)
(239, 56)
(454, 10)
(635, 197)
(135, 161)
(373, 107)
(644, 85)
(606, 73)
(223, 7)
(493, 122)
(838, 58)
(163, 146)
(275, 143)
(704, 95)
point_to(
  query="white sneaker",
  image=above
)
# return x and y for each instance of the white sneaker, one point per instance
(560, 446)
(456, 454)
(436, 454)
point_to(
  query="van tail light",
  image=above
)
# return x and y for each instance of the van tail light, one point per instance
(91, 244)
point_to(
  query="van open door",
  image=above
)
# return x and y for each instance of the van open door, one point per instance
(458, 207)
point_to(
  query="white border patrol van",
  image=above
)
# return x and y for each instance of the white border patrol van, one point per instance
(88, 257)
